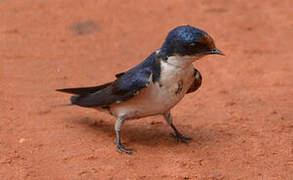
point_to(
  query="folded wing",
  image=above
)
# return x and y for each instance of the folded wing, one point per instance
(126, 85)
(196, 83)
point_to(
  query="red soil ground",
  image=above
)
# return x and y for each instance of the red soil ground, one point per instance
(240, 119)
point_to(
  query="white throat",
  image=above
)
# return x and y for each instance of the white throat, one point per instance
(181, 61)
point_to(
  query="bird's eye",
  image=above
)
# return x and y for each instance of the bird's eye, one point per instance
(192, 45)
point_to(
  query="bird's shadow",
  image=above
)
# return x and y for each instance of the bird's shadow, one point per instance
(153, 133)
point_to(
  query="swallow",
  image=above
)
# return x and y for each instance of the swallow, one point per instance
(154, 86)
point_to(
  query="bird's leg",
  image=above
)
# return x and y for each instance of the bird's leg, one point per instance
(177, 135)
(120, 147)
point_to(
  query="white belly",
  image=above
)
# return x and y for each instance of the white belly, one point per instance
(158, 97)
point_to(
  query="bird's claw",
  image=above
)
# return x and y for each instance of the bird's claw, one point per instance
(121, 149)
(178, 136)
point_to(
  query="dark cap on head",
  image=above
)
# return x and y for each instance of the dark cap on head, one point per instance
(189, 41)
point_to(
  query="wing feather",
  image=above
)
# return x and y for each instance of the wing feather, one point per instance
(196, 83)
(126, 85)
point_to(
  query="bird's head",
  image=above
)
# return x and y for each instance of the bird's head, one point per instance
(189, 42)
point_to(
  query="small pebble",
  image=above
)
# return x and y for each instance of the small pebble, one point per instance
(22, 140)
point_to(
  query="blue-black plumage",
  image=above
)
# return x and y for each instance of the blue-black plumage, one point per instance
(155, 85)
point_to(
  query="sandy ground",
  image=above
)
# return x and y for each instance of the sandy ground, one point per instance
(240, 119)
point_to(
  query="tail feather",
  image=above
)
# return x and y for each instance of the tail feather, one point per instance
(84, 100)
(74, 99)
(84, 90)
(62, 105)
(82, 94)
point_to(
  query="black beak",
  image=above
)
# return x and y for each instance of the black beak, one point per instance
(217, 51)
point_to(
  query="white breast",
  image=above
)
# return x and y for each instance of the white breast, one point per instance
(176, 78)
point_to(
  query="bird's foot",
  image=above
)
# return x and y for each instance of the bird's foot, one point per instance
(178, 136)
(121, 148)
